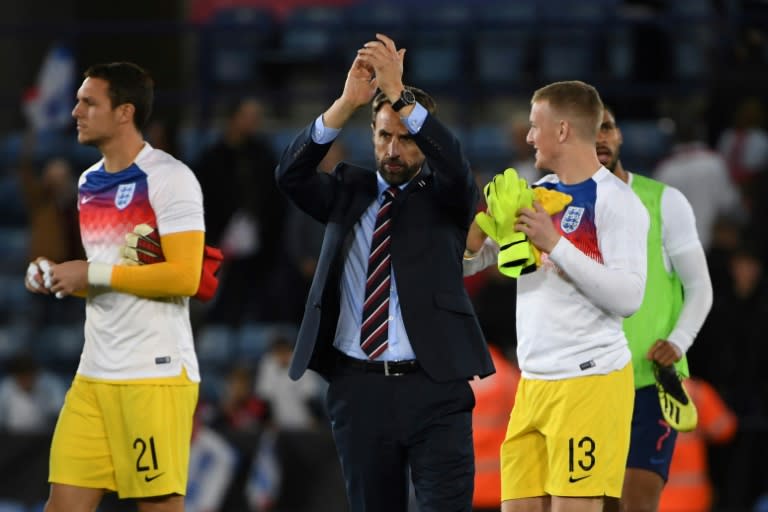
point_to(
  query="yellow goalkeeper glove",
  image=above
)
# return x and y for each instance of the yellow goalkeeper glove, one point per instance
(503, 196)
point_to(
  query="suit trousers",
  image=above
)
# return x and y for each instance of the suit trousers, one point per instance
(386, 425)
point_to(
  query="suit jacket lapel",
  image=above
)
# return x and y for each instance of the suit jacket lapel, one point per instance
(364, 192)
(419, 181)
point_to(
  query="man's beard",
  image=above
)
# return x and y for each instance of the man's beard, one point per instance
(613, 161)
(401, 177)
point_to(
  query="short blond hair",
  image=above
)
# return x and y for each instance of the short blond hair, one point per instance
(578, 101)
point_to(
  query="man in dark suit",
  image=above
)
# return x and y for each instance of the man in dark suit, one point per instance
(397, 361)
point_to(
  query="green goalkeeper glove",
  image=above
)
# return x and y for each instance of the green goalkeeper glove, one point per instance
(503, 196)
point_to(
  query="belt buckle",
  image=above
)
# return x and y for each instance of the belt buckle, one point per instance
(389, 373)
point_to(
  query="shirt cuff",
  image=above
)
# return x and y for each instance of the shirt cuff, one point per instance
(415, 120)
(322, 134)
(560, 250)
(99, 274)
(680, 341)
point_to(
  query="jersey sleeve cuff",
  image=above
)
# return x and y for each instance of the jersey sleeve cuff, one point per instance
(99, 274)
(680, 341)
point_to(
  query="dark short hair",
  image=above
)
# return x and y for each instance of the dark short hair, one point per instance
(422, 97)
(128, 83)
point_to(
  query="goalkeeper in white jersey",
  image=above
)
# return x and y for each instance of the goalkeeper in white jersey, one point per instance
(127, 419)
(568, 434)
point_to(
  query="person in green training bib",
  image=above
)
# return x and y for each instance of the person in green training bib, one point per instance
(678, 297)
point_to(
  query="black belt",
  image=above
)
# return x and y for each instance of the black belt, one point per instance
(388, 368)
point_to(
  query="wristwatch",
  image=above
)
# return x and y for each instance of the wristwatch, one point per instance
(406, 98)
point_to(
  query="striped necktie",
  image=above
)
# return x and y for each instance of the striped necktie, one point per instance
(374, 332)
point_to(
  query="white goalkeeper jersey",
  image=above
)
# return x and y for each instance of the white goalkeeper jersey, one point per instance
(570, 311)
(129, 337)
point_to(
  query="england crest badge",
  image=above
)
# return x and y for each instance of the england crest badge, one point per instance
(571, 218)
(124, 195)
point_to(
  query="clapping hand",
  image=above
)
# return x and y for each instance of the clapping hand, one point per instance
(386, 62)
(360, 86)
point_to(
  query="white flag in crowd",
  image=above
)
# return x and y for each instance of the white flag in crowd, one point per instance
(48, 104)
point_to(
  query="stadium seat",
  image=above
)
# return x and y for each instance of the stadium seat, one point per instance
(15, 299)
(567, 54)
(13, 338)
(214, 344)
(236, 37)
(567, 12)
(620, 58)
(501, 58)
(436, 44)
(499, 14)
(487, 147)
(10, 147)
(358, 144)
(309, 33)
(52, 144)
(254, 339)
(691, 51)
(212, 384)
(14, 240)
(569, 45)
(12, 506)
(281, 138)
(502, 44)
(192, 140)
(58, 346)
(363, 21)
(13, 212)
(645, 144)
(83, 156)
(691, 9)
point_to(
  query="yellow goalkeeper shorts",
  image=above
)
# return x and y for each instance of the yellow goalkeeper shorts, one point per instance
(568, 437)
(132, 438)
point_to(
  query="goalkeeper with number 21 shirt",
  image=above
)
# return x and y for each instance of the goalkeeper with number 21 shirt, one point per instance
(126, 422)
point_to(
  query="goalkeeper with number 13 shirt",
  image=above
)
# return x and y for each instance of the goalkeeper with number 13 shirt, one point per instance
(568, 435)
(126, 422)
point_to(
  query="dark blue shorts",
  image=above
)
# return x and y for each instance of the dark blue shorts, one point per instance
(652, 441)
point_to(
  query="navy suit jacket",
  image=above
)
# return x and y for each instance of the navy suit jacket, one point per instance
(430, 219)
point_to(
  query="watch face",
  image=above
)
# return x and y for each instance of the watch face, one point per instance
(406, 98)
